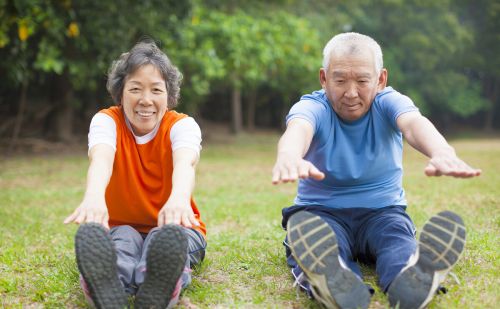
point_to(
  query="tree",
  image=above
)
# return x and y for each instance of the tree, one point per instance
(244, 52)
(482, 61)
(67, 46)
(425, 54)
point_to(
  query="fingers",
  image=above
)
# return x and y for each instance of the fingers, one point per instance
(83, 215)
(173, 215)
(104, 220)
(292, 171)
(281, 174)
(72, 217)
(430, 170)
(189, 220)
(162, 217)
(453, 167)
(316, 174)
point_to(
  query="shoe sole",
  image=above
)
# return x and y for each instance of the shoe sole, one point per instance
(441, 243)
(165, 261)
(314, 246)
(96, 260)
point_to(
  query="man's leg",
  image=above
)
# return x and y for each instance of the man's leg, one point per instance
(165, 266)
(440, 245)
(388, 236)
(96, 259)
(321, 247)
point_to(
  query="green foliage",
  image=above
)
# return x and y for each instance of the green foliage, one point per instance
(79, 39)
(241, 50)
(425, 53)
(442, 53)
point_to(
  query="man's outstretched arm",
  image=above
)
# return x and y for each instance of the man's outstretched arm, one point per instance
(292, 147)
(424, 137)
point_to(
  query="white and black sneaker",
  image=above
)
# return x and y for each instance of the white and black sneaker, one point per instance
(165, 261)
(314, 246)
(96, 259)
(441, 243)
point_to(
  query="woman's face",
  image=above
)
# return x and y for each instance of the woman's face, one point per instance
(144, 99)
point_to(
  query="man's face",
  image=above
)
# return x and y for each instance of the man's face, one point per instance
(351, 83)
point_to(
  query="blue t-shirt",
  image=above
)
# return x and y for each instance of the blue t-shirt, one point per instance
(362, 160)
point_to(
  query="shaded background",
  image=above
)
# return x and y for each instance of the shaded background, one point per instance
(244, 62)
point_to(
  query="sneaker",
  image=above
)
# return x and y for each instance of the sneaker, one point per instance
(165, 261)
(314, 247)
(96, 259)
(441, 243)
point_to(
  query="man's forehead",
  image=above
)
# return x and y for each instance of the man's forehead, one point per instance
(358, 73)
(361, 62)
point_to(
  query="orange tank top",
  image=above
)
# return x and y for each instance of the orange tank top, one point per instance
(141, 181)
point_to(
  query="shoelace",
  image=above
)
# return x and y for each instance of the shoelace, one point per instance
(298, 280)
(452, 274)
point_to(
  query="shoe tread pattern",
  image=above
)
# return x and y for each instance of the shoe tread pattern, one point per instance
(441, 243)
(314, 246)
(165, 261)
(96, 260)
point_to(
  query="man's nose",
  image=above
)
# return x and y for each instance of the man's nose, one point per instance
(351, 91)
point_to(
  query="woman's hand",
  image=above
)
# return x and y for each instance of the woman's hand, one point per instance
(90, 210)
(177, 211)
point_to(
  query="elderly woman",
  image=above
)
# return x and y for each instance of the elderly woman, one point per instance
(141, 231)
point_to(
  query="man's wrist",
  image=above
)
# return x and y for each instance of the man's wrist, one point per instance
(448, 150)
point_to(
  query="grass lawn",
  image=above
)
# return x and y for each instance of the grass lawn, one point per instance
(245, 265)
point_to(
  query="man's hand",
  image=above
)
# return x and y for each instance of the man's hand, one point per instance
(288, 169)
(177, 211)
(90, 211)
(448, 164)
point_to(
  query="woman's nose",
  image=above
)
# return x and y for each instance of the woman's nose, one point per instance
(146, 99)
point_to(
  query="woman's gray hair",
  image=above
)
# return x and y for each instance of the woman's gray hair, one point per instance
(351, 43)
(144, 53)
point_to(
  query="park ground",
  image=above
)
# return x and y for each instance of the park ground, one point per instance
(245, 265)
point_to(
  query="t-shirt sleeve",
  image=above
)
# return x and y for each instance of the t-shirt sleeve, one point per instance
(102, 130)
(186, 133)
(308, 110)
(394, 104)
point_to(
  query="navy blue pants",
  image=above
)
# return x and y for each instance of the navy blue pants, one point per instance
(382, 236)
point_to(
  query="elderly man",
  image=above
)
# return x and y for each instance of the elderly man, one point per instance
(344, 143)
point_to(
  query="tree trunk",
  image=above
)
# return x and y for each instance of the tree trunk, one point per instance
(64, 110)
(252, 103)
(19, 117)
(491, 92)
(237, 118)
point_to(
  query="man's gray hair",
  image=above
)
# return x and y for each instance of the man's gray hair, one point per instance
(144, 53)
(351, 43)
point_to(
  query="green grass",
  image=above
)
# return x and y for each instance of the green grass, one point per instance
(245, 265)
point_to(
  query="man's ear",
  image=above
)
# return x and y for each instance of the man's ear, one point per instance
(382, 79)
(322, 78)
